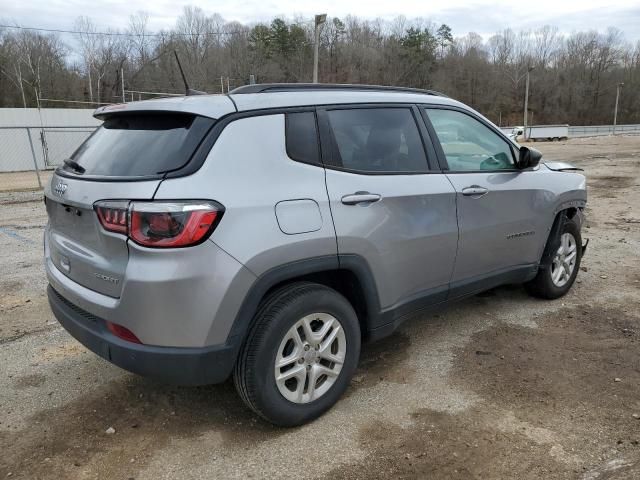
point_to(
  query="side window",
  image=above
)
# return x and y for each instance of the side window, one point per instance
(468, 144)
(377, 140)
(301, 135)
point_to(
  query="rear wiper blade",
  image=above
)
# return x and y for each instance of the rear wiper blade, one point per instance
(73, 165)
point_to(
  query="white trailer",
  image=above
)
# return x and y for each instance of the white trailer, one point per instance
(541, 132)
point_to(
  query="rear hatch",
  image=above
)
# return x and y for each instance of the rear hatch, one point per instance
(125, 159)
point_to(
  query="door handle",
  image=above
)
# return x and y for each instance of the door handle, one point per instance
(475, 191)
(360, 197)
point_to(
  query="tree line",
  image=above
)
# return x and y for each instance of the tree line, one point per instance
(573, 78)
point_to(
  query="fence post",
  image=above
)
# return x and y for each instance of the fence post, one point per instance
(35, 160)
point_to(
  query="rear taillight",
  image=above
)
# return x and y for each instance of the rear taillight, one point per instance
(161, 224)
(171, 224)
(114, 215)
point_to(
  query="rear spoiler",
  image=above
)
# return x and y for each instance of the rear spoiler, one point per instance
(211, 106)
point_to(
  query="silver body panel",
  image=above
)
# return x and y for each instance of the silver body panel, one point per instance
(249, 172)
(170, 298)
(79, 246)
(509, 225)
(408, 237)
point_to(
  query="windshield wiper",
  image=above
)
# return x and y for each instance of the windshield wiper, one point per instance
(75, 166)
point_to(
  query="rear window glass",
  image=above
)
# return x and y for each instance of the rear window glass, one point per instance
(141, 145)
(302, 137)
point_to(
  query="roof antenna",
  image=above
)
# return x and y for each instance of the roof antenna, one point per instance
(188, 91)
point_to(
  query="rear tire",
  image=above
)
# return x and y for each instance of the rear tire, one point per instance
(561, 263)
(313, 332)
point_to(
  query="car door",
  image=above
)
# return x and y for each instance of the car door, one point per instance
(501, 210)
(389, 207)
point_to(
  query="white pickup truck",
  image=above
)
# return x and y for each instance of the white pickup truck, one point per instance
(541, 132)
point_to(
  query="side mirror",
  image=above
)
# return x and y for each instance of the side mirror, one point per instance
(528, 158)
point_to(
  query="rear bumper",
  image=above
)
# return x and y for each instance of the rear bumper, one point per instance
(175, 365)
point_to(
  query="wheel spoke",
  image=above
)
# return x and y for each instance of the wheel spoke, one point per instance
(300, 386)
(312, 376)
(297, 339)
(326, 344)
(557, 274)
(569, 258)
(308, 331)
(329, 372)
(288, 360)
(326, 326)
(295, 372)
(330, 357)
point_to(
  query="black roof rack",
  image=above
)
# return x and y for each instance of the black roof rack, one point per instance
(291, 87)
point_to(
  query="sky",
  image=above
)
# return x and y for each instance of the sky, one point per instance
(480, 16)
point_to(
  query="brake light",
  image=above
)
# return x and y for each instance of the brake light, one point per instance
(171, 224)
(122, 332)
(113, 215)
(161, 224)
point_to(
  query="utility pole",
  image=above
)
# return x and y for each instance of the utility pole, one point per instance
(526, 103)
(615, 111)
(320, 19)
(124, 100)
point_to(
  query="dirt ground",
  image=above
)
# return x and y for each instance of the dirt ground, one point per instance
(21, 181)
(498, 386)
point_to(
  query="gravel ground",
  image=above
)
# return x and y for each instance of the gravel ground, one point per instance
(498, 386)
(20, 181)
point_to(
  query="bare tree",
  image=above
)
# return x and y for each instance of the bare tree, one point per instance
(573, 80)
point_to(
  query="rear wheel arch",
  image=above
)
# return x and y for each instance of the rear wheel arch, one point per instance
(349, 275)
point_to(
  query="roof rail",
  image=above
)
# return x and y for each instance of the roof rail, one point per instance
(291, 87)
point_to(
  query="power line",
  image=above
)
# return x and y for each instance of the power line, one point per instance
(128, 34)
(119, 34)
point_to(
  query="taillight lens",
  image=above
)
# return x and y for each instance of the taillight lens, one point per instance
(161, 224)
(113, 215)
(171, 224)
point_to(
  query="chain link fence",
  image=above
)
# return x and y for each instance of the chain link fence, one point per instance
(28, 148)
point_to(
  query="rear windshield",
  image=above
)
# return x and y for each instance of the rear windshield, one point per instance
(140, 145)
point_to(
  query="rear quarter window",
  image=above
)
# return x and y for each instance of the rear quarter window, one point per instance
(141, 145)
(301, 133)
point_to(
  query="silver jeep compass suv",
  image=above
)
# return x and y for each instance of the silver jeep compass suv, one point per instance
(265, 233)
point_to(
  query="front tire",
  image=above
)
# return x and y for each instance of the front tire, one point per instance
(300, 354)
(561, 263)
